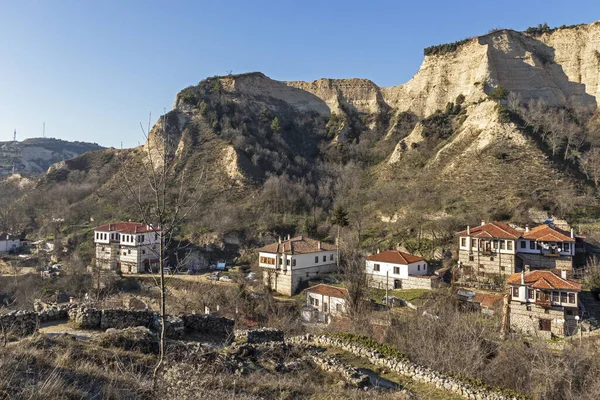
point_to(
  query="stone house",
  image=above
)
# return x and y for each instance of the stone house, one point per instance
(398, 270)
(9, 242)
(129, 247)
(543, 303)
(286, 265)
(325, 302)
(498, 249)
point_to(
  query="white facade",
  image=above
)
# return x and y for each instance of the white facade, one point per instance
(533, 247)
(287, 262)
(396, 271)
(555, 297)
(9, 243)
(334, 306)
(502, 246)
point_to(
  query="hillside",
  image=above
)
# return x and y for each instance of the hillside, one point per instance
(489, 127)
(34, 156)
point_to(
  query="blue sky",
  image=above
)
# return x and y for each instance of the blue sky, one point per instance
(92, 70)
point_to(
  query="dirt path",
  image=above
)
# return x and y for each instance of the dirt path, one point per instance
(55, 328)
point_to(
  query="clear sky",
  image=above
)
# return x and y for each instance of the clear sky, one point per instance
(92, 70)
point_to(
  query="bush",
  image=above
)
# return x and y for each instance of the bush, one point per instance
(499, 93)
(460, 99)
(445, 48)
(503, 114)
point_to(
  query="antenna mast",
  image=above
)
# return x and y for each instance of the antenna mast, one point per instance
(15, 136)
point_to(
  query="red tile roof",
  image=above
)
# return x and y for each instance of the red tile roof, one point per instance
(127, 227)
(499, 230)
(328, 290)
(543, 279)
(546, 233)
(495, 229)
(395, 257)
(297, 245)
(487, 300)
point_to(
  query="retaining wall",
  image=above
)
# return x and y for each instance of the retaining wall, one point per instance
(262, 335)
(404, 367)
(19, 323)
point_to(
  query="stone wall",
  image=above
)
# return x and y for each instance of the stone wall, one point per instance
(538, 261)
(288, 283)
(483, 266)
(208, 324)
(412, 282)
(262, 335)
(405, 367)
(120, 319)
(19, 323)
(528, 321)
(350, 374)
(85, 318)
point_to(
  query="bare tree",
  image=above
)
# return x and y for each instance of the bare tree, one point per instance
(164, 196)
(590, 163)
(354, 276)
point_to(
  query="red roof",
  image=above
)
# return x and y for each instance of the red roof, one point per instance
(495, 230)
(546, 233)
(127, 227)
(297, 245)
(328, 290)
(395, 257)
(487, 300)
(543, 279)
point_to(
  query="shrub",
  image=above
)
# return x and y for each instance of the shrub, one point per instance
(503, 114)
(217, 86)
(460, 99)
(499, 93)
(188, 96)
(445, 48)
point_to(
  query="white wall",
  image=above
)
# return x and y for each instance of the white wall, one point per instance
(302, 260)
(471, 245)
(332, 303)
(417, 268)
(523, 297)
(535, 250)
(6, 245)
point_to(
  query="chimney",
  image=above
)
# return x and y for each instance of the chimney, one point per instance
(319, 245)
(572, 234)
(377, 251)
(288, 237)
(522, 277)
(279, 239)
(468, 230)
(526, 227)
(527, 268)
(482, 222)
(563, 273)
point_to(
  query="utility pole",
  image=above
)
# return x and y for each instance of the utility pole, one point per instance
(15, 136)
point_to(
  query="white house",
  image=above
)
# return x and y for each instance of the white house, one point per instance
(130, 247)
(323, 302)
(287, 264)
(398, 270)
(9, 242)
(544, 302)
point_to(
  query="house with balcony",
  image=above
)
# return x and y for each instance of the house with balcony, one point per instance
(324, 303)
(498, 249)
(129, 247)
(398, 270)
(287, 264)
(543, 303)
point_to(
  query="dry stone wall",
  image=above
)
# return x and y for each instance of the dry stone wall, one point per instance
(19, 323)
(405, 367)
(208, 324)
(262, 335)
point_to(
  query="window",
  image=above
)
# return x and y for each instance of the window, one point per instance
(471, 258)
(563, 297)
(338, 307)
(418, 267)
(515, 291)
(143, 251)
(325, 307)
(567, 247)
(539, 245)
(267, 260)
(156, 236)
(293, 262)
(509, 245)
(331, 257)
(324, 258)
(555, 297)
(491, 258)
(317, 302)
(473, 243)
(502, 245)
(531, 245)
(376, 267)
(524, 244)
(531, 294)
(128, 251)
(397, 270)
(316, 259)
(572, 298)
(463, 242)
(545, 324)
(502, 268)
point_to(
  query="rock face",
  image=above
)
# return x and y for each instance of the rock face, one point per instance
(35, 156)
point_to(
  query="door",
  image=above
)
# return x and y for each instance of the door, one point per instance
(545, 325)
(397, 284)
